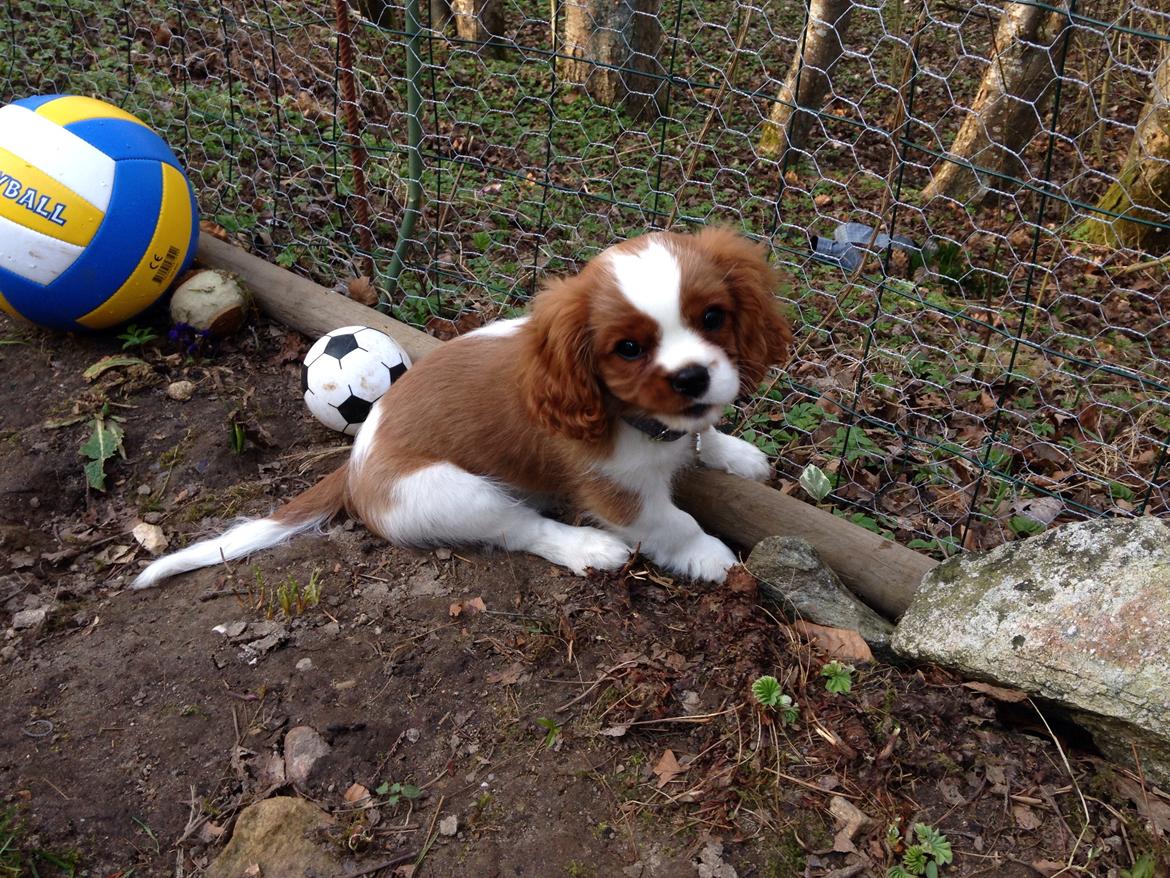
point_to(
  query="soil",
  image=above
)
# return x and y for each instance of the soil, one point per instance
(575, 727)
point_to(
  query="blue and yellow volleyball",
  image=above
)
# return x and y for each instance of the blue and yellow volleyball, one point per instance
(96, 215)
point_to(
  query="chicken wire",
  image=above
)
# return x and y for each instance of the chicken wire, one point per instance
(983, 373)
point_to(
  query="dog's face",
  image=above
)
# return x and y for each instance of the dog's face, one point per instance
(669, 326)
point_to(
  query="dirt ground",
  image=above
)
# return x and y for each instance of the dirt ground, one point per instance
(574, 727)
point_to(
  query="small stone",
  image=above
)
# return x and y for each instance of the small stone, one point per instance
(305, 664)
(413, 735)
(280, 835)
(303, 747)
(7, 653)
(181, 391)
(144, 490)
(152, 517)
(29, 618)
(443, 554)
(449, 825)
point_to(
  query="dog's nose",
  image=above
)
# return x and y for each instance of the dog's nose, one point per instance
(691, 381)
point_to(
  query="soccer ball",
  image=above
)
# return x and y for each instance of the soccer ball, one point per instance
(346, 372)
(96, 215)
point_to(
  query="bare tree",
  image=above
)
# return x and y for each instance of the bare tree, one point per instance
(613, 47)
(481, 22)
(1028, 50)
(1141, 195)
(808, 82)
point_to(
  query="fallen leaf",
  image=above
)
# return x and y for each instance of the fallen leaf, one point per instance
(361, 289)
(739, 581)
(1040, 509)
(1026, 818)
(113, 361)
(999, 693)
(150, 537)
(1151, 806)
(455, 610)
(1048, 868)
(406, 871)
(850, 821)
(356, 793)
(509, 676)
(114, 555)
(838, 643)
(667, 768)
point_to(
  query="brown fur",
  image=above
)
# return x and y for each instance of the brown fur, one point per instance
(324, 500)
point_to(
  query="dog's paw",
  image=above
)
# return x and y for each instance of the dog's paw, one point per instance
(736, 456)
(704, 558)
(593, 548)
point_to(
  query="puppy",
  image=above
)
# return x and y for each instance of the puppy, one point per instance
(597, 399)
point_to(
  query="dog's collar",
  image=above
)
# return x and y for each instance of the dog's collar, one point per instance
(655, 429)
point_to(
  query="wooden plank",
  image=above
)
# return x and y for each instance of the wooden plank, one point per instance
(883, 573)
(298, 302)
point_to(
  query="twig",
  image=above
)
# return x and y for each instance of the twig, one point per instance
(430, 840)
(596, 683)
(378, 867)
(1071, 777)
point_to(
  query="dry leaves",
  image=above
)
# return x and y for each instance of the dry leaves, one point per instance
(509, 676)
(667, 768)
(838, 643)
(999, 693)
(361, 289)
(471, 607)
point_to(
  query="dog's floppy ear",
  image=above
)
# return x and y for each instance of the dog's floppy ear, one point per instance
(762, 334)
(559, 379)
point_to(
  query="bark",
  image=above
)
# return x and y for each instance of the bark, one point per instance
(1142, 190)
(793, 114)
(482, 22)
(614, 47)
(1019, 81)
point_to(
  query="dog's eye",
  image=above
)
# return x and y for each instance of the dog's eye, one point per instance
(628, 349)
(714, 318)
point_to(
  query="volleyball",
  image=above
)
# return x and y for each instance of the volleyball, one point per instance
(96, 215)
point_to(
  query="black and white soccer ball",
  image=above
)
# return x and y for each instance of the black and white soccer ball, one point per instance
(346, 372)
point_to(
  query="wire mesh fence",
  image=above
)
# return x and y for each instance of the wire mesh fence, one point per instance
(970, 200)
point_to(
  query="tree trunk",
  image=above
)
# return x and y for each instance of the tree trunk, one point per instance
(482, 22)
(793, 114)
(613, 47)
(1021, 73)
(1142, 190)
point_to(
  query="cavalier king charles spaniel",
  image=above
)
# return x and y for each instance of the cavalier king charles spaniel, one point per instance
(596, 400)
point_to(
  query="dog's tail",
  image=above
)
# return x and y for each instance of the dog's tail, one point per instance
(311, 509)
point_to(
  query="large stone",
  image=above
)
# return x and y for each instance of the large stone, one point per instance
(792, 574)
(280, 836)
(1079, 616)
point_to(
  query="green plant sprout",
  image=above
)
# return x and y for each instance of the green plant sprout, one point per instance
(838, 677)
(927, 857)
(766, 690)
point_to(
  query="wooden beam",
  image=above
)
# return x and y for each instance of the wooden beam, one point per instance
(883, 573)
(298, 302)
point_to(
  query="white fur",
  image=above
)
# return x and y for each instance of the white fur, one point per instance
(241, 540)
(669, 537)
(443, 503)
(734, 455)
(498, 328)
(365, 437)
